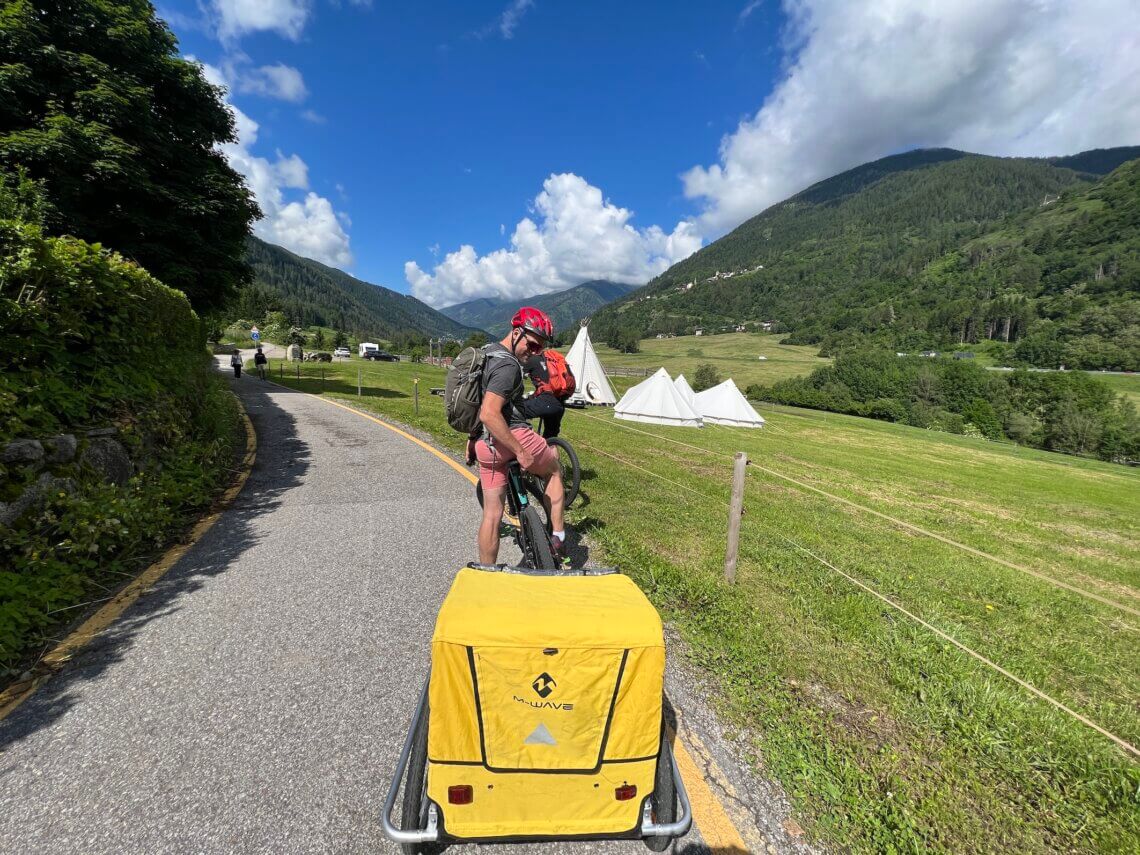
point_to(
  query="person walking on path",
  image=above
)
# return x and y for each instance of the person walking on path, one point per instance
(260, 362)
(235, 363)
(508, 436)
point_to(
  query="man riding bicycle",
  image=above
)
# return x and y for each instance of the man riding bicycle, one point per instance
(507, 435)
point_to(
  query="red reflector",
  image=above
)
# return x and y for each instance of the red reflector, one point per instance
(460, 794)
(625, 792)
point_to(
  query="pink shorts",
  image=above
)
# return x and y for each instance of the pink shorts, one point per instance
(493, 460)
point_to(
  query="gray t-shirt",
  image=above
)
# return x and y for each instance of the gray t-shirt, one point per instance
(502, 375)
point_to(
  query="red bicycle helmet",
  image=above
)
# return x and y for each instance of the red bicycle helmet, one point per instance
(534, 320)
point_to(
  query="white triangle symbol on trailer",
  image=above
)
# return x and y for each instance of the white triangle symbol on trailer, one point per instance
(540, 736)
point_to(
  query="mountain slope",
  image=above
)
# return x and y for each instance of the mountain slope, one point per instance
(566, 308)
(309, 293)
(1061, 280)
(844, 254)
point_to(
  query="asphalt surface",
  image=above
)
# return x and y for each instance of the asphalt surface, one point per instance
(256, 698)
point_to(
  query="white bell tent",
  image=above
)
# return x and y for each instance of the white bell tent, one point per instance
(724, 405)
(686, 391)
(657, 400)
(590, 383)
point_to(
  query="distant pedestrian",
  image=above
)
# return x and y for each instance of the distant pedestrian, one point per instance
(235, 363)
(259, 362)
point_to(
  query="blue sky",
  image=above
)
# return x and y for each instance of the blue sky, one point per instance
(461, 149)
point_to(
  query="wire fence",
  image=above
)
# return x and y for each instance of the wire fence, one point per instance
(1123, 744)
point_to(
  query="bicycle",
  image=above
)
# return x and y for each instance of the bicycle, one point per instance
(532, 532)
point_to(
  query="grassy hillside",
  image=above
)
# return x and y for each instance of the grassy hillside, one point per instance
(566, 308)
(885, 735)
(844, 256)
(734, 355)
(312, 294)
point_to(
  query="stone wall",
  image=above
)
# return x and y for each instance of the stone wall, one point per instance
(34, 468)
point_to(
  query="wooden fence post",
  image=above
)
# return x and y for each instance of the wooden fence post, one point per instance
(298, 372)
(735, 512)
(416, 386)
(358, 381)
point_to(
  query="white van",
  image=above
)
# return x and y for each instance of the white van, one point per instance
(367, 347)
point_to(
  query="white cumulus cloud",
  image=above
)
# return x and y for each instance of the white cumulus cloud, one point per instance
(578, 236)
(273, 81)
(304, 222)
(870, 77)
(236, 18)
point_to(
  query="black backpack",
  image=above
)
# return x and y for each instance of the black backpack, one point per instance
(463, 392)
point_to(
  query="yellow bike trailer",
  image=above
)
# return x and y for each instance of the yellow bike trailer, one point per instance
(541, 718)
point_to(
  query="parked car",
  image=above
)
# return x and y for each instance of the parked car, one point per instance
(382, 356)
(342, 351)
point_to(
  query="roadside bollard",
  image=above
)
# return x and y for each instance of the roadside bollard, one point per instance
(322, 378)
(298, 372)
(281, 370)
(416, 394)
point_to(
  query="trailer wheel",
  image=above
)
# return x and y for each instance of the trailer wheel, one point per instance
(413, 815)
(663, 802)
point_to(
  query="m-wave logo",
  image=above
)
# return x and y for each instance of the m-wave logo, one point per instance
(543, 685)
(544, 705)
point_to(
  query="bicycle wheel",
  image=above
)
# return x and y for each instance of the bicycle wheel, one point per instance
(568, 463)
(664, 799)
(534, 541)
(414, 810)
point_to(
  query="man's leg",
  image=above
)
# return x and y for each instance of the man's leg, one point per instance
(556, 496)
(489, 526)
(555, 488)
(552, 422)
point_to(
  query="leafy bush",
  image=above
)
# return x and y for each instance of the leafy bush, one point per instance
(86, 339)
(83, 333)
(705, 378)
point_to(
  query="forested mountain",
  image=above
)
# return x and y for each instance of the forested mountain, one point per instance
(309, 293)
(566, 308)
(1061, 280)
(846, 257)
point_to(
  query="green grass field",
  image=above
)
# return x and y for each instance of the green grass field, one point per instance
(886, 736)
(733, 355)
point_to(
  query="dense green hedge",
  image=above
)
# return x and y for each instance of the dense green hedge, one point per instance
(88, 339)
(83, 333)
(1069, 411)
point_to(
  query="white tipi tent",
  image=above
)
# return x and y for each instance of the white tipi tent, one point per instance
(657, 400)
(686, 391)
(590, 383)
(724, 405)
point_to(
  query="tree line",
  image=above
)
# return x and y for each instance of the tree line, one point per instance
(1067, 411)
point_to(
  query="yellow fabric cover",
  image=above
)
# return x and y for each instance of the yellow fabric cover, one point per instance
(542, 688)
(537, 805)
(513, 610)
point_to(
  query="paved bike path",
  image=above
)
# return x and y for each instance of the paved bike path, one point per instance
(256, 698)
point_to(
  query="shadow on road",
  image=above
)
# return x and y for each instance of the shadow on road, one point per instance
(282, 460)
(333, 385)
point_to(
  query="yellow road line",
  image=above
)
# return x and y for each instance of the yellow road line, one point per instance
(19, 692)
(454, 464)
(717, 830)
